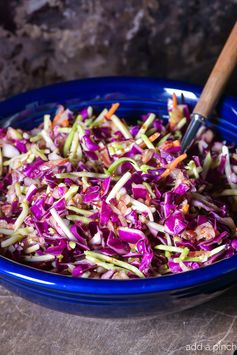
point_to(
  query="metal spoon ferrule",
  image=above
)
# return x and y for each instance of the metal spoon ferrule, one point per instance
(197, 121)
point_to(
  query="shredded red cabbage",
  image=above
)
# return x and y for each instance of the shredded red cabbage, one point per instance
(86, 195)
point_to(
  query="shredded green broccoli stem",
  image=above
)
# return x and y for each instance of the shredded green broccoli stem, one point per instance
(114, 261)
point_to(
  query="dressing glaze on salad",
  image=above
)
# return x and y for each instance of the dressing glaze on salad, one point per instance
(89, 196)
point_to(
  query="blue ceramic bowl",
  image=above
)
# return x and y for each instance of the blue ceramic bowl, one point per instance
(114, 298)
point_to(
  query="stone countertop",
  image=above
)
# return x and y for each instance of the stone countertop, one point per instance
(27, 328)
(47, 41)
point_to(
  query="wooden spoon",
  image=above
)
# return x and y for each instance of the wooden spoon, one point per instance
(214, 87)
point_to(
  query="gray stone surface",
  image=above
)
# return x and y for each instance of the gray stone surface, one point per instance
(28, 329)
(45, 41)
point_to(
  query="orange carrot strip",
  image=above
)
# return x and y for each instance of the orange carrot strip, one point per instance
(112, 110)
(169, 144)
(195, 253)
(58, 116)
(185, 208)
(175, 102)
(62, 162)
(176, 143)
(152, 138)
(65, 123)
(173, 165)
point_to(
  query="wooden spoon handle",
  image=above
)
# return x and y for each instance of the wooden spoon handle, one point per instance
(220, 74)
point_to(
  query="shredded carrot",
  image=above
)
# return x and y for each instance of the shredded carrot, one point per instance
(58, 116)
(173, 165)
(175, 116)
(56, 119)
(62, 162)
(176, 143)
(195, 253)
(152, 138)
(105, 158)
(112, 110)
(64, 123)
(167, 145)
(185, 208)
(176, 113)
(58, 162)
(175, 102)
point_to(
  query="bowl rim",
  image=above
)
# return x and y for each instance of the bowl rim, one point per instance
(14, 272)
(24, 98)
(19, 273)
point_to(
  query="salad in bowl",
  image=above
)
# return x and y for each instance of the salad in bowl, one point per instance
(88, 195)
